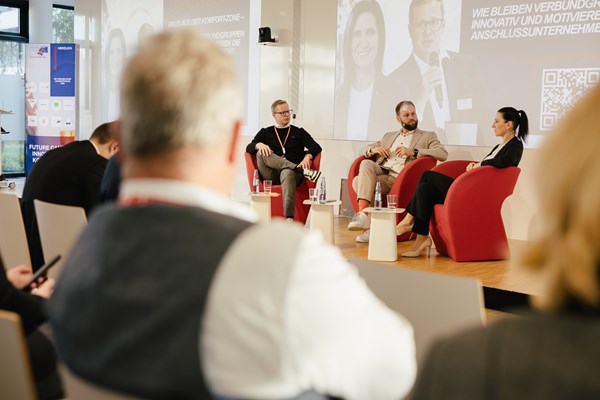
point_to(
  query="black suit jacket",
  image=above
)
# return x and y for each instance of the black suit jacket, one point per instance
(68, 175)
(508, 156)
(466, 98)
(111, 180)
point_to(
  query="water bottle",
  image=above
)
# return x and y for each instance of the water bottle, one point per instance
(322, 191)
(255, 183)
(378, 196)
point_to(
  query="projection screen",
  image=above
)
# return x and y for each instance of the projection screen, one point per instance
(460, 61)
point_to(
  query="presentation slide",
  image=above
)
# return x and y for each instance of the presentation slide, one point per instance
(124, 25)
(226, 22)
(460, 61)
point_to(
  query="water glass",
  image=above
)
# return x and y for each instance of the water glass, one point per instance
(267, 185)
(392, 200)
(312, 195)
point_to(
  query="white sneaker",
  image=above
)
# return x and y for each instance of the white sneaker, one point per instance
(311, 174)
(360, 222)
(364, 238)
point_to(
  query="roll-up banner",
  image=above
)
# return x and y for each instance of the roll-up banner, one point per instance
(51, 104)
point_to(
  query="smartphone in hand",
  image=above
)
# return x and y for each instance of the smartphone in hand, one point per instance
(41, 272)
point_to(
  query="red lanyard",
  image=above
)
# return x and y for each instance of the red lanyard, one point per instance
(286, 138)
(140, 201)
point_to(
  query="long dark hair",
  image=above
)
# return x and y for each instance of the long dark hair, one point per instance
(519, 120)
(363, 7)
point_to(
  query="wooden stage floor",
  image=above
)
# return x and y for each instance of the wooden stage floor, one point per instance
(505, 285)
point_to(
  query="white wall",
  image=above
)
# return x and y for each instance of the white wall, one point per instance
(317, 41)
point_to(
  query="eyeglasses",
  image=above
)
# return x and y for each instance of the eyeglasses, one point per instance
(288, 112)
(434, 25)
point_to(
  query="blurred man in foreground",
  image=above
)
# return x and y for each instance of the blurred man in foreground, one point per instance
(169, 294)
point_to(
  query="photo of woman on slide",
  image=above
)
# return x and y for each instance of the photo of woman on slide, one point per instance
(357, 100)
(114, 60)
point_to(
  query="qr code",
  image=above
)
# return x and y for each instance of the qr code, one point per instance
(561, 88)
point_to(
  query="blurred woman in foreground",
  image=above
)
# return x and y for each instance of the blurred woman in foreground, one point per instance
(553, 354)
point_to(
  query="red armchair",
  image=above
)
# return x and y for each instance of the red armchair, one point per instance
(404, 186)
(300, 210)
(468, 226)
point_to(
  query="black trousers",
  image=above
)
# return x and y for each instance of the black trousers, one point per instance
(43, 363)
(431, 190)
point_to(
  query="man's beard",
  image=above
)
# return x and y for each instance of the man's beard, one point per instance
(410, 127)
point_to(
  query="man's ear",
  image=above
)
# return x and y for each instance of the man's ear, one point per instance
(235, 137)
(113, 147)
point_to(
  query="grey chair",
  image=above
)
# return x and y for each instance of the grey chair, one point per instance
(16, 376)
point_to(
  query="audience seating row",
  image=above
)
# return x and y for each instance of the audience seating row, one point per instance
(59, 227)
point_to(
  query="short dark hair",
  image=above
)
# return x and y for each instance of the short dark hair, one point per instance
(103, 134)
(399, 106)
(416, 3)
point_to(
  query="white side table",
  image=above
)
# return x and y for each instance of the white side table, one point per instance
(321, 218)
(261, 203)
(382, 239)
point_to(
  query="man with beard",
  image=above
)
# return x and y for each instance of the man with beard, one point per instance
(393, 152)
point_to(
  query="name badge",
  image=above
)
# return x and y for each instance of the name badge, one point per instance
(464, 104)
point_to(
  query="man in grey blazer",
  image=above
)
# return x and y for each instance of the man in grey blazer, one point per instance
(393, 152)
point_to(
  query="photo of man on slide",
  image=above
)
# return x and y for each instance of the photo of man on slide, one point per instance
(444, 85)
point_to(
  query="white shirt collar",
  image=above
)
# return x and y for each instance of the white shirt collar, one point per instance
(95, 147)
(282, 127)
(185, 193)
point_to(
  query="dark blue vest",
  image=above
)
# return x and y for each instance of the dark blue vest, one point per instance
(127, 311)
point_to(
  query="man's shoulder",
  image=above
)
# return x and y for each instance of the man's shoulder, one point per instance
(423, 133)
(168, 214)
(459, 57)
(407, 67)
(389, 134)
(82, 149)
(286, 238)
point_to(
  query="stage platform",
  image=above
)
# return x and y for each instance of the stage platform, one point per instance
(506, 286)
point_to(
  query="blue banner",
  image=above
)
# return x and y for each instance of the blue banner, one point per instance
(50, 98)
(62, 70)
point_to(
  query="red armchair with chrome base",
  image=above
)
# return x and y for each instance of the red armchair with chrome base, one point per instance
(404, 186)
(468, 226)
(300, 210)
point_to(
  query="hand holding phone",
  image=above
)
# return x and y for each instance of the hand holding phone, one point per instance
(41, 272)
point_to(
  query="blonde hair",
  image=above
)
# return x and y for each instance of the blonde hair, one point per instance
(178, 90)
(277, 103)
(567, 179)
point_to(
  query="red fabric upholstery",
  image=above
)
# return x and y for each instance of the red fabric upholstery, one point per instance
(468, 226)
(404, 186)
(300, 210)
